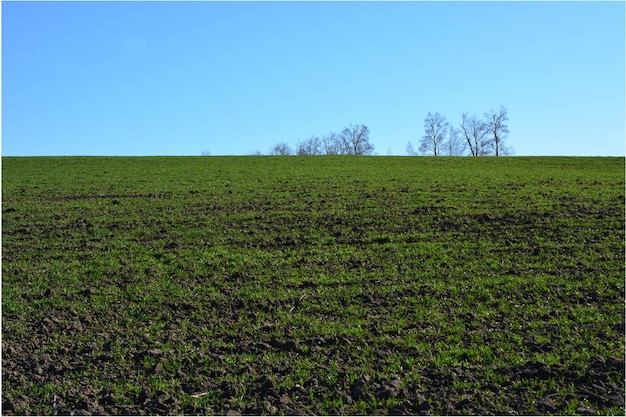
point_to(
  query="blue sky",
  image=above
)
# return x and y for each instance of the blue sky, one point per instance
(231, 78)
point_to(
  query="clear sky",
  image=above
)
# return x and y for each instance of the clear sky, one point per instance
(180, 78)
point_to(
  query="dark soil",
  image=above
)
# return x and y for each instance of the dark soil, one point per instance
(336, 297)
(598, 387)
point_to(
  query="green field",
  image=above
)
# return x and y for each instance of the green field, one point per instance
(313, 285)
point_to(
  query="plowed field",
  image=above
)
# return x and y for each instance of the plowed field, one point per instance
(312, 285)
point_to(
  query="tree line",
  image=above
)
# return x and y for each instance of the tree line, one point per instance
(481, 136)
(473, 136)
(353, 140)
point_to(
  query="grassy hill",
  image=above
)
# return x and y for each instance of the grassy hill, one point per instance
(313, 285)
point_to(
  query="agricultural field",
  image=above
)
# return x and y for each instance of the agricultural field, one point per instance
(313, 285)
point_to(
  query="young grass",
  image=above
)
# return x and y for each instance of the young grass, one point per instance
(307, 285)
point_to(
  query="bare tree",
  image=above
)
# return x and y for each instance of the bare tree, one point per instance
(498, 130)
(331, 144)
(454, 146)
(474, 131)
(280, 149)
(310, 146)
(354, 140)
(409, 149)
(436, 127)
(206, 153)
(506, 150)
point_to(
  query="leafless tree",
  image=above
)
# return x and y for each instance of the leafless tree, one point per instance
(474, 131)
(355, 140)
(281, 149)
(409, 149)
(331, 144)
(498, 130)
(206, 153)
(435, 127)
(455, 145)
(310, 146)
